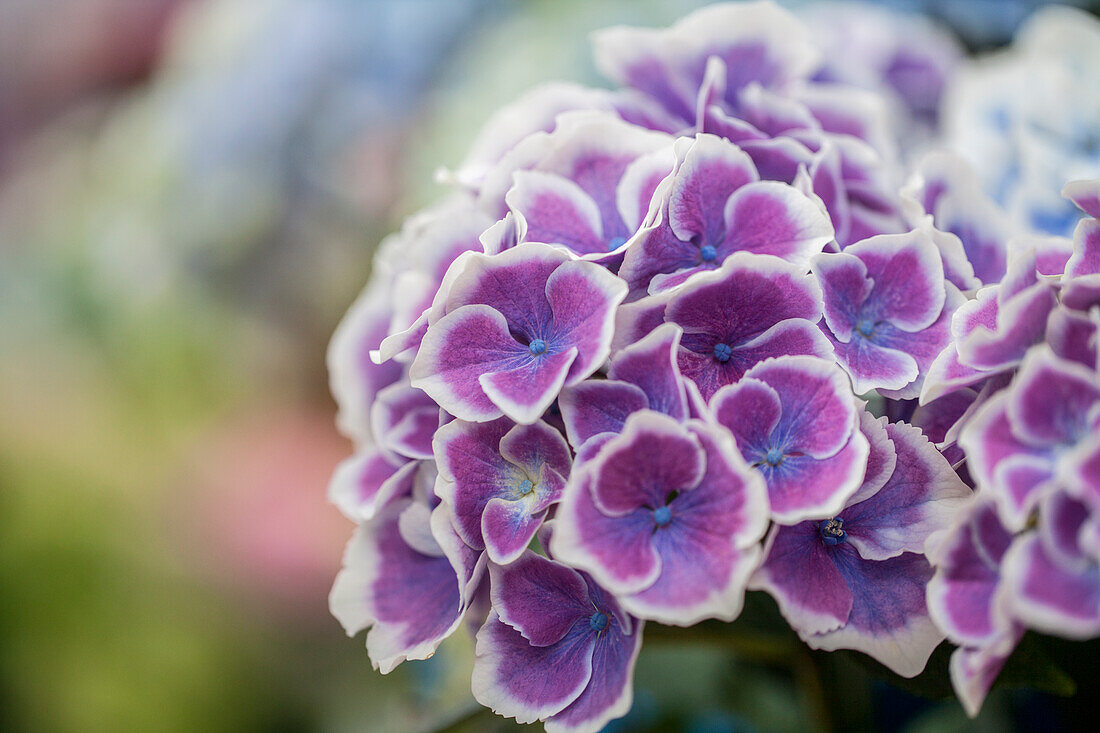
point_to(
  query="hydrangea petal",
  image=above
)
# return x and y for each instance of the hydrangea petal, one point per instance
(773, 218)
(712, 170)
(1085, 194)
(553, 209)
(609, 694)
(412, 601)
(518, 680)
(889, 619)
(598, 406)
(365, 482)
(1049, 596)
(403, 420)
(650, 363)
(542, 600)
(921, 496)
(803, 579)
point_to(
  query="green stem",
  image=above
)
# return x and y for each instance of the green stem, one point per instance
(761, 646)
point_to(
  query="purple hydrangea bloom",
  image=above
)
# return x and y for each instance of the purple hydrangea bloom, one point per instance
(354, 377)
(975, 228)
(1053, 574)
(642, 376)
(555, 648)
(499, 479)
(969, 601)
(887, 310)
(857, 580)
(795, 420)
(587, 185)
(752, 308)
(991, 333)
(365, 482)
(633, 338)
(754, 42)
(1016, 441)
(1081, 286)
(407, 576)
(667, 517)
(714, 205)
(517, 326)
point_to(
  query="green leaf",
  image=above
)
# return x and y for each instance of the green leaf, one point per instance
(1033, 666)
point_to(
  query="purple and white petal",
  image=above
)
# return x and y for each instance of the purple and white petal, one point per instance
(1085, 194)
(922, 495)
(1049, 596)
(403, 420)
(598, 406)
(802, 577)
(965, 594)
(519, 680)
(365, 482)
(773, 218)
(650, 364)
(889, 620)
(552, 209)
(411, 601)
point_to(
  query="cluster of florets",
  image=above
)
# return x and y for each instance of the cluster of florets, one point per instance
(626, 372)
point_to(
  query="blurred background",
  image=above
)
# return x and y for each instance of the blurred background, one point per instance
(190, 194)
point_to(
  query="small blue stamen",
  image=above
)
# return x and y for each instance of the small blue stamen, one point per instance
(597, 621)
(537, 346)
(832, 531)
(773, 457)
(526, 487)
(723, 352)
(865, 327)
(708, 253)
(615, 243)
(662, 515)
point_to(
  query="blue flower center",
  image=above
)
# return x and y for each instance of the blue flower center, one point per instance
(526, 487)
(773, 457)
(662, 515)
(597, 621)
(615, 243)
(865, 327)
(832, 531)
(537, 346)
(723, 352)
(708, 253)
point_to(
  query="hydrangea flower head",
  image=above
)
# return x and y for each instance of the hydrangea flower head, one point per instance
(626, 370)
